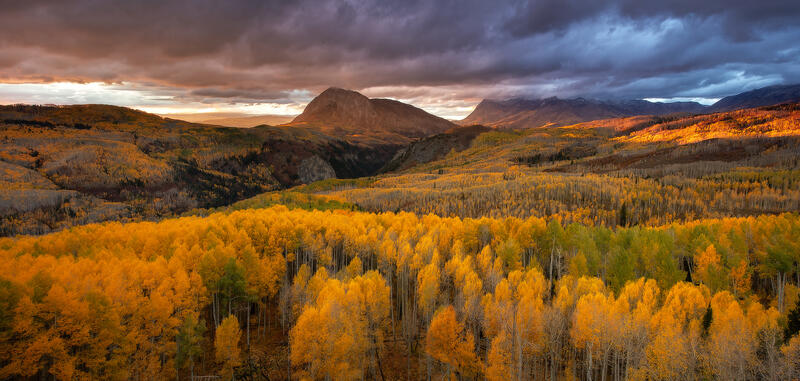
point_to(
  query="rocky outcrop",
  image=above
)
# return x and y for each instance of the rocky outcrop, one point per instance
(434, 147)
(313, 168)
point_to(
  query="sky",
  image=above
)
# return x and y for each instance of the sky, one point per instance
(273, 57)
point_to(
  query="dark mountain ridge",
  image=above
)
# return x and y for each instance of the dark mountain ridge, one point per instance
(529, 113)
(765, 96)
(526, 113)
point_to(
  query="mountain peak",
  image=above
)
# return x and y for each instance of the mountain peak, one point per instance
(334, 91)
(346, 112)
(338, 107)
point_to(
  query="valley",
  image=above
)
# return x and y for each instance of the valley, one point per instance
(355, 190)
(369, 239)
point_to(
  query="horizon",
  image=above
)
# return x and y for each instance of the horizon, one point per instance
(251, 111)
(256, 58)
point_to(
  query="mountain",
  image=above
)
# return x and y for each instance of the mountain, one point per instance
(67, 165)
(527, 113)
(353, 116)
(765, 96)
(435, 147)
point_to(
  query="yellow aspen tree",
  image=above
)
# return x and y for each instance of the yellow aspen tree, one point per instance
(449, 343)
(226, 346)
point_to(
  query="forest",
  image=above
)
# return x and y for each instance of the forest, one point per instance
(62, 166)
(353, 190)
(276, 293)
(642, 248)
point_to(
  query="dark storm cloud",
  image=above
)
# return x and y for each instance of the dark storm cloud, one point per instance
(260, 51)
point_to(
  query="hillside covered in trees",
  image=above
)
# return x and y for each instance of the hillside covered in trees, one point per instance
(652, 248)
(278, 293)
(641, 170)
(69, 165)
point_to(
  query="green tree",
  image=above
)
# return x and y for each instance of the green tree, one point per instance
(232, 284)
(190, 342)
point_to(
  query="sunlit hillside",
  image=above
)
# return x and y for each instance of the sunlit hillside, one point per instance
(642, 170)
(71, 165)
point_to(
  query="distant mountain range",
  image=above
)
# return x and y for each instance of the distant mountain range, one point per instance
(528, 113)
(232, 119)
(765, 96)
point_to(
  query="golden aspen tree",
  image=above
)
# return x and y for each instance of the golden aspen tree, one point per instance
(710, 269)
(428, 290)
(592, 330)
(226, 346)
(500, 359)
(791, 352)
(449, 343)
(368, 299)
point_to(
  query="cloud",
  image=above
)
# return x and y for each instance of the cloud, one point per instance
(443, 55)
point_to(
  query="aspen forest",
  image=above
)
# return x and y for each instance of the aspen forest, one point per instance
(372, 190)
(349, 295)
(556, 253)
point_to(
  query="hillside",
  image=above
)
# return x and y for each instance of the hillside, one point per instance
(356, 118)
(434, 147)
(77, 164)
(740, 163)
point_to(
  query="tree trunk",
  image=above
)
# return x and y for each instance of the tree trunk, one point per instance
(781, 279)
(248, 329)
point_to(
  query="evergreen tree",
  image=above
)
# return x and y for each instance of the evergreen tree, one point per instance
(623, 215)
(708, 317)
(793, 322)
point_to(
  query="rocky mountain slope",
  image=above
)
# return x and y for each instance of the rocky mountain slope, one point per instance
(356, 118)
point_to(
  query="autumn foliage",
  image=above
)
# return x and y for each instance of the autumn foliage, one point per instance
(346, 295)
